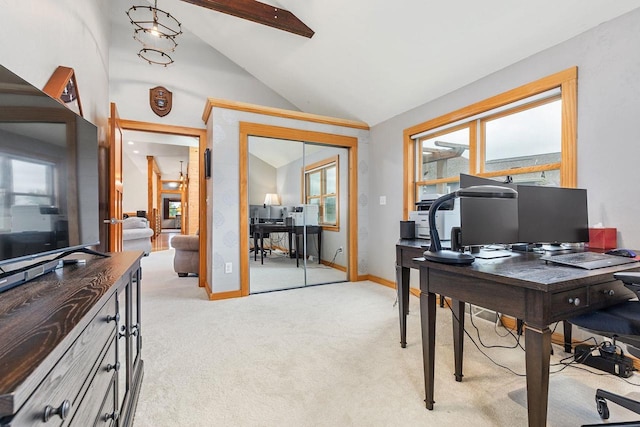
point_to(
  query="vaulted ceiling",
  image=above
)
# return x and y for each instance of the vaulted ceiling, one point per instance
(371, 60)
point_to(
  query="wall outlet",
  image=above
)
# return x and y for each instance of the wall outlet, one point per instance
(228, 267)
(383, 200)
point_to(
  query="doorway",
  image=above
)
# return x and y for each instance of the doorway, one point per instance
(310, 250)
(298, 193)
(196, 179)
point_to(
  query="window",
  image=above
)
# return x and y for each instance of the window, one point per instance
(31, 183)
(528, 133)
(321, 189)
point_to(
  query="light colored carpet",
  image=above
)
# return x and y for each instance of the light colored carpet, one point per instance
(326, 356)
(278, 271)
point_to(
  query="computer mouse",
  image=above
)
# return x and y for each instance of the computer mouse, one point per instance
(622, 252)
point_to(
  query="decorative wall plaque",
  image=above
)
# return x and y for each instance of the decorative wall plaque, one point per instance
(160, 100)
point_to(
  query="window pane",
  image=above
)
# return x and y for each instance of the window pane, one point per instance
(427, 191)
(330, 210)
(23, 199)
(29, 177)
(527, 138)
(331, 180)
(314, 184)
(174, 209)
(547, 178)
(445, 155)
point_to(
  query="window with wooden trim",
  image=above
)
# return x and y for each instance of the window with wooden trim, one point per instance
(322, 183)
(527, 134)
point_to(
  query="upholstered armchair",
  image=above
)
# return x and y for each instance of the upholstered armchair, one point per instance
(187, 257)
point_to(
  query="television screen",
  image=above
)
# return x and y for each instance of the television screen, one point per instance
(48, 174)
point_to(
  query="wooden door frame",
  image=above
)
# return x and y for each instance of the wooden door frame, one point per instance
(201, 134)
(268, 131)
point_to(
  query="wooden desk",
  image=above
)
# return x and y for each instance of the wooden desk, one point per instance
(260, 230)
(522, 286)
(406, 251)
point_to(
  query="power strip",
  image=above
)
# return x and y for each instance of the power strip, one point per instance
(612, 363)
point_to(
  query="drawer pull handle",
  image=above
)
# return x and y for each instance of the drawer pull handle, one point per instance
(115, 367)
(574, 301)
(609, 292)
(62, 411)
(112, 416)
(115, 318)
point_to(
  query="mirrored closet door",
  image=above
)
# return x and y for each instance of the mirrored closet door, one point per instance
(298, 209)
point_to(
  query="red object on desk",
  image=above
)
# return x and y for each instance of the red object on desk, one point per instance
(603, 238)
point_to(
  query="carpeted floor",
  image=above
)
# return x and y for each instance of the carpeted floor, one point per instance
(279, 271)
(328, 356)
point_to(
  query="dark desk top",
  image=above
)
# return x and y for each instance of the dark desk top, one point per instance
(524, 269)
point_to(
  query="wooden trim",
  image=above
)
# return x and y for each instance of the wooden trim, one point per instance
(215, 296)
(569, 170)
(513, 95)
(409, 164)
(261, 13)
(349, 142)
(566, 80)
(58, 81)
(322, 165)
(388, 283)
(278, 112)
(336, 266)
(522, 170)
(201, 134)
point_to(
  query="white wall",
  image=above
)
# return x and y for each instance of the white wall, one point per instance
(39, 36)
(135, 186)
(199, 72)
(608, 135)
(262, 179)
(289, 180)
(223, 204)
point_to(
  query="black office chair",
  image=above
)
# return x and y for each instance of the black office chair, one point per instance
(621, 321)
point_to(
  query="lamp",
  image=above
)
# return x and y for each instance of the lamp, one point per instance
(271, 199)
(435, 252)
(156, 30)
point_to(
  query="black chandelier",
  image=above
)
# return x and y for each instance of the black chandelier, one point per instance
(156, 30)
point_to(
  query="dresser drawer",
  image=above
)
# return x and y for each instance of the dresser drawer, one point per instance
(108, 414)
(569, 301)
(60, 389)
(100, 391)
(608, 293)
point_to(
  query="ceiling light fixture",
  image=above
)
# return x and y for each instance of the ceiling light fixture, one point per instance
(156, 30)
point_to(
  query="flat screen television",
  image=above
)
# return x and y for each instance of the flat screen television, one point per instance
(48, 175)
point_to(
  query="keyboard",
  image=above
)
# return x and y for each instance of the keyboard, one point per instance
(588, 260)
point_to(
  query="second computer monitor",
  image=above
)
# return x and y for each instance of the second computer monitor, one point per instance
(552, 215)
(487, 221)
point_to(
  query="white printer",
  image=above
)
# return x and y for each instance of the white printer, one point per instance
(34, 218)
(447, 217)
(305, 215)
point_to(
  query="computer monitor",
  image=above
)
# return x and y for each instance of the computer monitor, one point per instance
(487, 221)
(552, 215)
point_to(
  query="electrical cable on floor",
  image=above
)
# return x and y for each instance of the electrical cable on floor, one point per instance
(562, 362)
(516, 345)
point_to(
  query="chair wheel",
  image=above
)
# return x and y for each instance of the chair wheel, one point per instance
(603, 409)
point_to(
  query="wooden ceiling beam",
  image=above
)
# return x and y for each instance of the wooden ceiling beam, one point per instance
(258, 12)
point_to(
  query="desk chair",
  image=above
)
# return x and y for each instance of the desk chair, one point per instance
(619, 321)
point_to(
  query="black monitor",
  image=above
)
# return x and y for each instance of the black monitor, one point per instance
(487, 221)
(552, 215)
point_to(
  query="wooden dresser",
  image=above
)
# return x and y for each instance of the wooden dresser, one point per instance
(70, 346)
